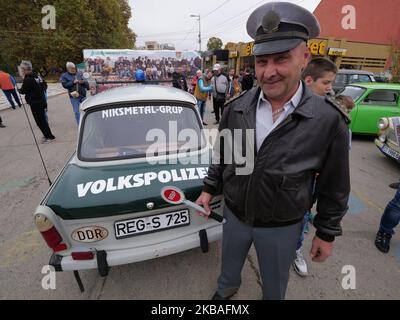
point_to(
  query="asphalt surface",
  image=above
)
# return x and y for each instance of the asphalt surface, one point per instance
(190, 274)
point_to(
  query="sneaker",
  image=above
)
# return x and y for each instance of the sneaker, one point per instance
(47, 140)
(2, 125)
(300, 265)
(216, 122)
(217, 296)
(382, 241)
(205, 124)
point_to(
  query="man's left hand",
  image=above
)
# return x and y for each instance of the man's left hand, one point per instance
(320, 249)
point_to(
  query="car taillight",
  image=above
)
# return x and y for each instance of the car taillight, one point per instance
(88, 255)
(49, 233)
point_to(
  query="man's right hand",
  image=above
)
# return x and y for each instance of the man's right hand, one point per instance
(204, 200)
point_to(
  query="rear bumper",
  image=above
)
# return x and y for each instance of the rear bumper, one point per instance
(126, 256)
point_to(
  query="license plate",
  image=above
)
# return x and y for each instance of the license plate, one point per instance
(390, 152)
(138, 226)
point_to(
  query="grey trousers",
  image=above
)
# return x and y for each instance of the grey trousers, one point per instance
(275, 247)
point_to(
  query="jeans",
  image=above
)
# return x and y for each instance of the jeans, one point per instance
(75, 106)
(201, 106)
(12, 93)
(305, 221)
(391, 216)
(218, 106)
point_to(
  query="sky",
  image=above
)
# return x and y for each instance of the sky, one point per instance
(169, 21)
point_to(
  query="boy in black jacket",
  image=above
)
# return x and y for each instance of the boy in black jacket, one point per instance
(34, 88)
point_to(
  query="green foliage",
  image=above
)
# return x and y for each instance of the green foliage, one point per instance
(214, 43)
(80, 24)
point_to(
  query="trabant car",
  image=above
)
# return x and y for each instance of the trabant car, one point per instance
(105, 208)
(388, 141)
(372, 102)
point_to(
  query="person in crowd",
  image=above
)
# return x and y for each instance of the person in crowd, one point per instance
(34, 87)
(179, 80)
(200, 92)
(231, 74)
(389, 220)
(266, 202)
(318, 75)
(237, 87)
(247, 80)
(220, 84)
(7, 84)
(77, 86)
(1, 123)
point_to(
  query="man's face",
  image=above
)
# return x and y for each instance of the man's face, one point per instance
(26, 71)
(180, 69)
(232, 72)
(323, 85)
(71, 70)
(279, 74)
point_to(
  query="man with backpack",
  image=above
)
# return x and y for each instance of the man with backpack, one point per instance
(34, 87)
(220, 84)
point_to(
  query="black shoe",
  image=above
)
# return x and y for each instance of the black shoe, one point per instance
(2, 125)
(205, 124)
(217, 296)
(212, 112)
(382, 241)
(216, 122)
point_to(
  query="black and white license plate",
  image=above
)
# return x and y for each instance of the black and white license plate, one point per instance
(390, 152)
(137, 226)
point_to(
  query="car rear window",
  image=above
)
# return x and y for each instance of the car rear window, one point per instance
(357, 78)
(123, 131)
(353, 92)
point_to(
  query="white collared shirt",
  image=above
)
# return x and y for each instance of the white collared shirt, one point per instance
(264, 119)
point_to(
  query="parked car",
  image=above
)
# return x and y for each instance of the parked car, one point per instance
(105, 208)
(372, 102)
(388, 141)
(345, 77)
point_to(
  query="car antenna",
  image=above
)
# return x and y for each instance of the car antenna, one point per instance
(34, 138)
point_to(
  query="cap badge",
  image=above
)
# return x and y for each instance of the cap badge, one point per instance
(271, 21)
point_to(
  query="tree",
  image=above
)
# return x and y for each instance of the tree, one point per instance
(214, 43)
(80, 24)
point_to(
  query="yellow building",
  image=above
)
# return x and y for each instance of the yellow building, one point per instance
(345, 54)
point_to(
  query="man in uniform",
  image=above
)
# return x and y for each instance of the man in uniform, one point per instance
(297, 135)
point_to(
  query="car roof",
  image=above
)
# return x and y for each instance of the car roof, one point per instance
(352, 71)
(376, 85)
(138, 92)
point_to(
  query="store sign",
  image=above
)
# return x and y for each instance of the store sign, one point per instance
(233, 54)
(317, 47)
(248, 51)
(337, 52)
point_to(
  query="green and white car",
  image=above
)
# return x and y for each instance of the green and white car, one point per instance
(105, 208)
(388, 141)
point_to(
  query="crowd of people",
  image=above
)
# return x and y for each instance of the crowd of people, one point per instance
(155, 69)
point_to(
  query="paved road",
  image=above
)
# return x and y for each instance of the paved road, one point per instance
(191, 274)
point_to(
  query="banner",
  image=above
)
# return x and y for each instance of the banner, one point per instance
(115, 64)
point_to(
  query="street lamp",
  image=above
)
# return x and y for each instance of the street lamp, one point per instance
(198, 18)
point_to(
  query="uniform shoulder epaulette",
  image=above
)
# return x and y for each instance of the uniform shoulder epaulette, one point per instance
(235, 98)
(333, 103)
